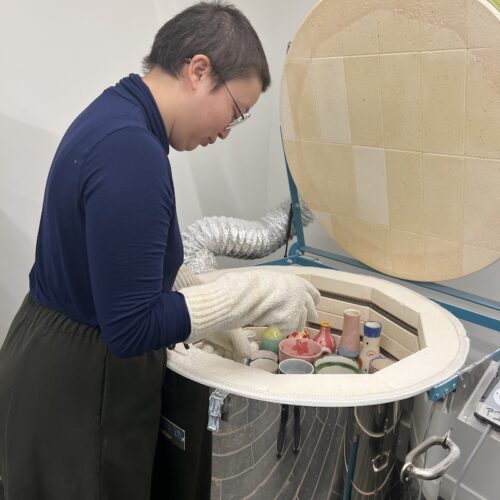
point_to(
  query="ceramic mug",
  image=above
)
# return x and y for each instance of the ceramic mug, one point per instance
(292, 366)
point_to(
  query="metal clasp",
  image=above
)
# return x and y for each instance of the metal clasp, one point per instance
(381, 461)
(218, 407)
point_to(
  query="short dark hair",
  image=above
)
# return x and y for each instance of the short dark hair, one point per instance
(218, 30)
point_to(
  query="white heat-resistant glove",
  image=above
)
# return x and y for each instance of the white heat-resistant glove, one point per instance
(185, 278)
(258, 298)
(232, 344)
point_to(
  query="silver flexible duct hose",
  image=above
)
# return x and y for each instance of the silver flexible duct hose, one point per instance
(230, 237)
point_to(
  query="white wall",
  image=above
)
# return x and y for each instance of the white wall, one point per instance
(56, 56)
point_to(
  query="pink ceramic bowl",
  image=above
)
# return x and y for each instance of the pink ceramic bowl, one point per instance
(299, 348)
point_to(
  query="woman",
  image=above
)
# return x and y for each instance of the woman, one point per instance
(82, 365)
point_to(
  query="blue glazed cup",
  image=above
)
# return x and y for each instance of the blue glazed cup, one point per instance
(292, 366)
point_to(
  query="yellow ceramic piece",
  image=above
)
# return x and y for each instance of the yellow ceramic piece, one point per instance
(390, 111)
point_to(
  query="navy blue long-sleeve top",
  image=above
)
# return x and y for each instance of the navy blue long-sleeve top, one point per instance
(109, 245)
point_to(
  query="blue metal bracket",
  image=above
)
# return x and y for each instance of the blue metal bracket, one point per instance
(295, 249)
(297, 213)
(443, 389)
(467, 314)
(448, 386)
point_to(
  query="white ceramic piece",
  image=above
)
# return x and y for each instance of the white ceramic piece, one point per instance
(265, 364)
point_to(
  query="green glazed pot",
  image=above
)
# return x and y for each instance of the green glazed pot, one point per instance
(270, 339)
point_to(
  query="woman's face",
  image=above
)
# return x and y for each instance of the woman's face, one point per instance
(208, 112)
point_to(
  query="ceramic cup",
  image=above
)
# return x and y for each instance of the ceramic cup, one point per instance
(299, 348)
(293, 366)
(263, 354)
(379, 363)
(254, 347)
(250, 334)
(266, 364)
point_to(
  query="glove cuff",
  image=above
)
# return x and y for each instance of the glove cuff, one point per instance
(210, 310)
(185, 278)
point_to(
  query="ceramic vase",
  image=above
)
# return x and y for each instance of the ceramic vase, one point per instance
(371, 344)
(325, 338)
(349, 339)
(270, 339)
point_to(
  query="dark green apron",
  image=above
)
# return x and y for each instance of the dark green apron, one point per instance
(76, 421)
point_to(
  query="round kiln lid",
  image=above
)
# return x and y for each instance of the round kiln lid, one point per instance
(390, 113)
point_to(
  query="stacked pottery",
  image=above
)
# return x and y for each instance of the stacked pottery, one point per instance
(320, 350)
(346, 359)
(264, 360)
(264, 355)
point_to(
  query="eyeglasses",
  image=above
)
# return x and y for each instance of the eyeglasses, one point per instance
(243, 116)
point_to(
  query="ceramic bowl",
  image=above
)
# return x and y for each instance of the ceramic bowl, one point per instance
(299, 348)
(266, 364)
(292, 366)
(334, 363)
(379, 363)
(264, 354)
